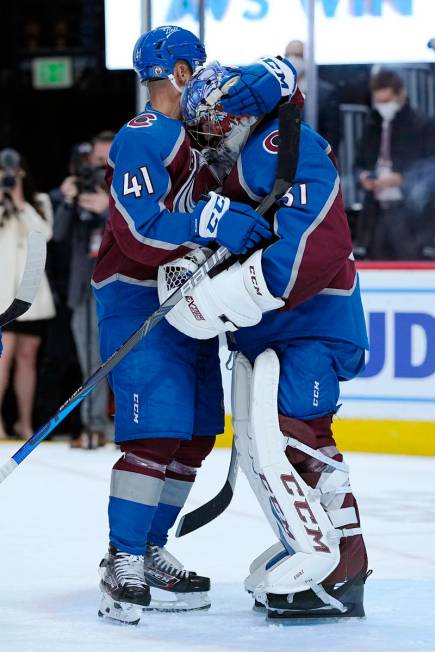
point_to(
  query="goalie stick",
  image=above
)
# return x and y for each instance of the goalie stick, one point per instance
(31, 279)
(289, 133)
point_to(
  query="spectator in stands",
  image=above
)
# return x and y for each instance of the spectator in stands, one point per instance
(396, 150)
(22, 209)
(329, 113)
(80, 219)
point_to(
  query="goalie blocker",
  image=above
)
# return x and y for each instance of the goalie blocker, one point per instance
(319, 567)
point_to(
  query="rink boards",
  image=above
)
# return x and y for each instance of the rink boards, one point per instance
(390, 408)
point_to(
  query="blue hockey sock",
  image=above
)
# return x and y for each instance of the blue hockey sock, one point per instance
(172, 499)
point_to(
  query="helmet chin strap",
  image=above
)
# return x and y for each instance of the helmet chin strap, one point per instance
(174, 83)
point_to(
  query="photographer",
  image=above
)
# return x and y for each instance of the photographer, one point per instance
(22, 210)
(79, 219)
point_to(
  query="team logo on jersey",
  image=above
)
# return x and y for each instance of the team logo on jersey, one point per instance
(143, 120)
(271, 142)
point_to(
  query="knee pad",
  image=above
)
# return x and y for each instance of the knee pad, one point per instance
(193, 452)
(147, 456)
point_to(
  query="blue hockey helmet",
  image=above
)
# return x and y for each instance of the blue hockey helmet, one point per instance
(156, 52)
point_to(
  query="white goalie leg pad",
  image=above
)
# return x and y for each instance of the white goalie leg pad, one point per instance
(241, 379)
(304, 526)
(241, 384)
(258, 567)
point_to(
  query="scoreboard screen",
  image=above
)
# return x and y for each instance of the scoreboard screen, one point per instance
(239, 31)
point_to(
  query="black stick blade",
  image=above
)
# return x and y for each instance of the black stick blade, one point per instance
(206, 513)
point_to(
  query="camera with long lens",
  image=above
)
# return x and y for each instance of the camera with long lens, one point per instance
(89, 178)
(10, 163)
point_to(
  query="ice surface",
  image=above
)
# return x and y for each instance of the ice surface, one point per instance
(53, 534)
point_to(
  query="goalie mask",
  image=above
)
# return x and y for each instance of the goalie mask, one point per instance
(205, 118)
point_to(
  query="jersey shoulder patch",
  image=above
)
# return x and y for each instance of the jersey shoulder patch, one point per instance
(142, 121)
(152, 129)
(257, 164)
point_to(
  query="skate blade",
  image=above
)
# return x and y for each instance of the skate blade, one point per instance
(121, 612)
(278, 617)
(167, 602)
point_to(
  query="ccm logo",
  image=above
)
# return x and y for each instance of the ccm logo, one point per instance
(303, 510)
(216, 214)
(276, 508)
(254, 280)
(136, 408)
(277, 72)
(194, 308)
(316, 393)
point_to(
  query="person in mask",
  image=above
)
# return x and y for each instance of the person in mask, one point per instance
(328, 105)
(396, 140)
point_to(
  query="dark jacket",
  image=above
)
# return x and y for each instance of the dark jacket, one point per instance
(412, 139)
(68, 227)
(329, 114)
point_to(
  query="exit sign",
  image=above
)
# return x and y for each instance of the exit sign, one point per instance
(52, 72)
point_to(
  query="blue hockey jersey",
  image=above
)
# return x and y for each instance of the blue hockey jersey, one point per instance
(310, 263)
(155, 179)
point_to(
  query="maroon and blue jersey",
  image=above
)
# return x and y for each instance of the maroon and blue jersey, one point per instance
(309, 263)
(155, 178)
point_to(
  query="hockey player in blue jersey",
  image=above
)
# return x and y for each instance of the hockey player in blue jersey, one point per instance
(301, 294)
(168, 391)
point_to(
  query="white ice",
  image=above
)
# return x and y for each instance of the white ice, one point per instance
(54, 532)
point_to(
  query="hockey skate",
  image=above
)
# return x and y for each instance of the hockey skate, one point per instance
(347, 597)
(125, 591)
(320, 603)
(172, 587)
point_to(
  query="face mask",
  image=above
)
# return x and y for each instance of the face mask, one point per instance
(387, 109)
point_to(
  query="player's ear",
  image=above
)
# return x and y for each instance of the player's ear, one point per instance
(182, 73)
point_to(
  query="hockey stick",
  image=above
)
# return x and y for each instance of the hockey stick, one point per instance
(31, 279)
(289, 131)
(215, 259)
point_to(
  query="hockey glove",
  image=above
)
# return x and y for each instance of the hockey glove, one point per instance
(235, 298)
(260, 87)
(233, 224)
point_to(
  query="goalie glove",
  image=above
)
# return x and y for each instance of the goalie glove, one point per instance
(260, 87)
(235, 298)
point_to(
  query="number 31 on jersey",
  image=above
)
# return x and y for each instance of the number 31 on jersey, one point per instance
(132, 185)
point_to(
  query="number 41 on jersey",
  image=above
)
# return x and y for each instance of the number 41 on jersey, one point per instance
(132, 185)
